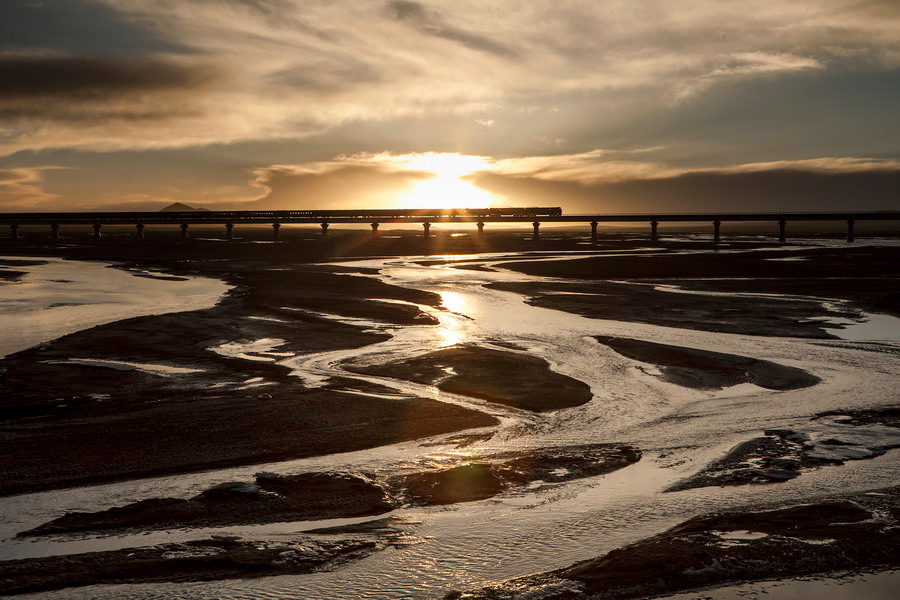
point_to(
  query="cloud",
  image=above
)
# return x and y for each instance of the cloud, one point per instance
(104, 103)
(597, 181)
(21, 189)
(586, 183)
(30, 76)
(289, 69)
(77, 27)
(355, 181)
(432, 24)
(829, 165)
(602, 180)
(743, 64)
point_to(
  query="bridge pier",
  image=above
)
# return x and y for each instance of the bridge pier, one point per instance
(593, 232)
(654, 231)
(717, 236)
(140, 230)
(324, 228)
(54, 231)
(96, 230)
(14, 231)
(184, 233)
(537, 231)
(781, 226)
(850, 223)
(229, 231)
(426, 229)
(275, 231)
(480, 225)
(374, 230)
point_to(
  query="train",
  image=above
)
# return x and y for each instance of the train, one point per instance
(417, 213)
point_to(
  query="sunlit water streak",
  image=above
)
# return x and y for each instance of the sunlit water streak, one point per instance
(527, 530)
(60, 297)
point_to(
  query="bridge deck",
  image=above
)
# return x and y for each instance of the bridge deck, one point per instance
(416, 216)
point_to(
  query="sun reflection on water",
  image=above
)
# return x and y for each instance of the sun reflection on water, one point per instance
(450, 332)
(453, 301)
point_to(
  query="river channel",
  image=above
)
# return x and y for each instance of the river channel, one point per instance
(536, 528)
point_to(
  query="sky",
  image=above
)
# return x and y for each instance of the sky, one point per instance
(593, 106)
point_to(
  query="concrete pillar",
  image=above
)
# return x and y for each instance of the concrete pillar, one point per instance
(426, 229)
(654, 233)
(96, 230)
(54, 231)
(324, 228)
(850, 223)
(14, 231)
(374, 230)
(781, 225)
(140, 230)
(184, 228)
(536, 234)
(480, 225)
(229, 231)
(593, 232)
(275, 228)
(717, 236)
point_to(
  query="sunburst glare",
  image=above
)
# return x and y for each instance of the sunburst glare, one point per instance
(447, 189)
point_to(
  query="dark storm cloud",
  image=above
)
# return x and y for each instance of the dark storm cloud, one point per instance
(769, 190)
(431, 24)
(28, 76)
(76, 26)
(60, 87)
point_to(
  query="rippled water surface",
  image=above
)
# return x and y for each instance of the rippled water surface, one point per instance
(679, 430)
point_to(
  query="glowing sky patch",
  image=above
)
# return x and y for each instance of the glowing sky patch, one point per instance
(447, 188)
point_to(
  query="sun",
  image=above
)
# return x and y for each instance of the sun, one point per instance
(447, 188)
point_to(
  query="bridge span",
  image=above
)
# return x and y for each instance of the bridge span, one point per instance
(425, 217)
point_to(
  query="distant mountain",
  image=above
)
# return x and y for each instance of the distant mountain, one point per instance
(179, 207)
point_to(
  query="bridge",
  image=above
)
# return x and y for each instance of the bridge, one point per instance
(425, 217)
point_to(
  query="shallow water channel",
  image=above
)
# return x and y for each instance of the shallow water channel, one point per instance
(530, 529)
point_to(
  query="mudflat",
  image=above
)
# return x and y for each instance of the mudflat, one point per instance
(192, 391)
(180, 392)
(787, 293)
(851, 532)
(511, 378)
(703, 369)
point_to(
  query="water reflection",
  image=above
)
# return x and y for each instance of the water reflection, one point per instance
(450, 331)
(453, 301)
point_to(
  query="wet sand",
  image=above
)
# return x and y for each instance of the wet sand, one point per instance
(829, 439)
(7, 274)
(703, 370)
(816, 284)
(61, 434)
(315, 496)
(513, 379)
(272, 498)
(202, 560)
(151, 395)
(853, 532)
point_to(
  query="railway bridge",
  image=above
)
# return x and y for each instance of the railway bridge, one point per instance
(425, 217)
